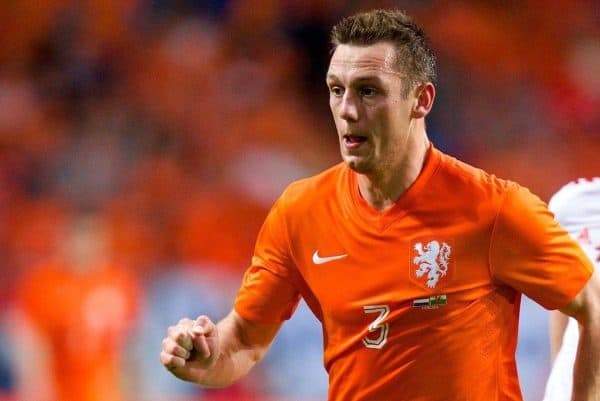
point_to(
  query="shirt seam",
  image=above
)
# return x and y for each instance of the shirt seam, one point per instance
(493, 232)
(281, 210)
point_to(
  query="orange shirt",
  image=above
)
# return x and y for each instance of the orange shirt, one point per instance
(421, 302)
(85, 318)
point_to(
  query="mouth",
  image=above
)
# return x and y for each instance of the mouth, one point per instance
(354, 141)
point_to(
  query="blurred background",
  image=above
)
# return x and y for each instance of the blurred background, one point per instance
(143, 142)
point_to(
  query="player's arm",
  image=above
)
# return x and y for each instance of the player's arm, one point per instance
(215, 355)
(558, 324)
(585, 308)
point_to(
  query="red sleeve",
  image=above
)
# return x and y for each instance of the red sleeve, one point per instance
(268, 293)
(533, 254)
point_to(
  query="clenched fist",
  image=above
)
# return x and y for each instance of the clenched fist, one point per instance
(191, 348)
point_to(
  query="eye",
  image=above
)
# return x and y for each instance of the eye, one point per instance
(367, 91)
(336, 91)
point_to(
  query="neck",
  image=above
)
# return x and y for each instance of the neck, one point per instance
(382, 188)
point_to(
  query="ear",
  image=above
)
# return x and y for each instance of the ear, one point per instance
(424, 96)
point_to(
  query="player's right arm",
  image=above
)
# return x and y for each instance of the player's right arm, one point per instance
(217, 355)
(212, 355)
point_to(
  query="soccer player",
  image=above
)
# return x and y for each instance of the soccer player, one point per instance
(577, 208)
(76, 311)
(413, 261)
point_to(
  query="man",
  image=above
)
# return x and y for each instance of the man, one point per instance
(577, 207)
(75, 311)
(413, 261)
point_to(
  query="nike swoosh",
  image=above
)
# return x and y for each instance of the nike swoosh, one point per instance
(318, 260)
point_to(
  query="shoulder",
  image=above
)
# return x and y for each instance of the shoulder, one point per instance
(479, 193)
(306, 192)
(471, 182)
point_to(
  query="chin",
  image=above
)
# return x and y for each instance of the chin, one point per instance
(358, 165)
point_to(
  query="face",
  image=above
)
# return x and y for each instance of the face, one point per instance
(372, 117)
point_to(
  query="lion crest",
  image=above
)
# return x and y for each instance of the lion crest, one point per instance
(432, 259)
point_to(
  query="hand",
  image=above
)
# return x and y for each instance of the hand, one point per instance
(191, 348)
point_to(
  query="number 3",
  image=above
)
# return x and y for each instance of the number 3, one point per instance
(380, 341)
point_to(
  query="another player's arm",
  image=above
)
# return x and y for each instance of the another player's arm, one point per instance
(215, 355)
(558, 325)
(585, 308)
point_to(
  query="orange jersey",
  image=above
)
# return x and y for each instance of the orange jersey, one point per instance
(84, 318)
(420, 302)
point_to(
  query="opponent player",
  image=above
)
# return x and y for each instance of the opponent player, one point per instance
(413, 261)
(577, 207)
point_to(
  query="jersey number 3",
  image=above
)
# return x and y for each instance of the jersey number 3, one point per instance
(379, 342)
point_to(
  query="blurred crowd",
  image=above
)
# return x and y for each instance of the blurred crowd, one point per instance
(142, 142)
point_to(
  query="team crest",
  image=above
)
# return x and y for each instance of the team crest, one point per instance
(432, 263)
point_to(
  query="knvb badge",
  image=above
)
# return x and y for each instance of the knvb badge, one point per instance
(433, 302)
(432, 263)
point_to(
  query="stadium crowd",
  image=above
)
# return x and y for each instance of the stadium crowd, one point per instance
(142, 143)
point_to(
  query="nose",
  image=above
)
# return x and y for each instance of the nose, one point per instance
(348, 107)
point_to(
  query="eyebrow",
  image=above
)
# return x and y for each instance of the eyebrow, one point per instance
(333, 77)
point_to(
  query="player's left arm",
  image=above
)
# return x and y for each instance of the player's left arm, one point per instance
(585, 308)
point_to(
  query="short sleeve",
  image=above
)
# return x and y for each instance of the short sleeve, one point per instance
(533, 254)
(269, 293)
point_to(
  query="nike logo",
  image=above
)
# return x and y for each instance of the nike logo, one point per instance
(318, 260)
